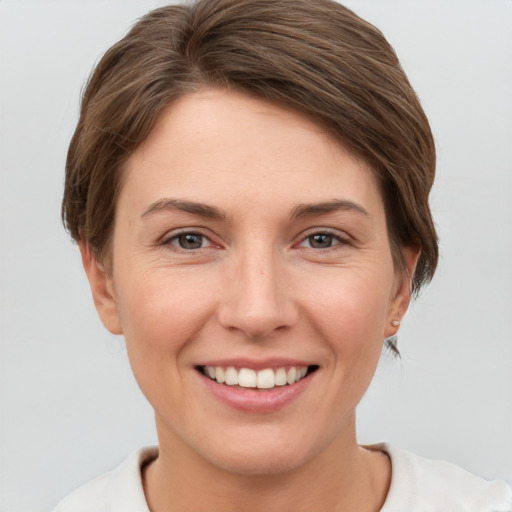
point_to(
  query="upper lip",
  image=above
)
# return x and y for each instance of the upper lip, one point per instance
(255, 364)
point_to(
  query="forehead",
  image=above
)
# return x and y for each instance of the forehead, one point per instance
(226, 146)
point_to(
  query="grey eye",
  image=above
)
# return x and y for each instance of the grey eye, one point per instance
(321, 241)
(189, 241)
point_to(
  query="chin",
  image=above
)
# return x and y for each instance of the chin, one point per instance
(256, 454)
(263, 463)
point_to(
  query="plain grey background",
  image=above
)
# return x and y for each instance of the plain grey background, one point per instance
(69, 407)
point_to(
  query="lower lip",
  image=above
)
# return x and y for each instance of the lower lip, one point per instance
(254, 401)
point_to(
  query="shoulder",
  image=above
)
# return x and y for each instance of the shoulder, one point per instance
(426, 485)
(119, 489)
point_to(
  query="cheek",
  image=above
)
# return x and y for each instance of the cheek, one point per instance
(350, 307)
(349, 313)
(161, 317)
(160, 311)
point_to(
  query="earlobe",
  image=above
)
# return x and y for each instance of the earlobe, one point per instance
(402, 298)
(102, 289)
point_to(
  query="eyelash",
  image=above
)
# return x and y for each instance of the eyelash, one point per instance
(336, 239)
(175, 237)
(334, 235)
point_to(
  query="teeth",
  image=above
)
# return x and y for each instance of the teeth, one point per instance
(291, 375)
(247, 378)
(231, 376)
(219, 374)
(262, 379)
(266, 379)
(280, 377)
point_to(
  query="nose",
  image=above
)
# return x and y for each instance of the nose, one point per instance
(258, 300)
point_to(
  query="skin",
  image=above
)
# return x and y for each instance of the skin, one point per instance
(258, 287)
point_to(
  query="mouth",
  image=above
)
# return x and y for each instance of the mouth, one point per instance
(264, 379)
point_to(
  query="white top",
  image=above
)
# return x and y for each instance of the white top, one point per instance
(417, 485)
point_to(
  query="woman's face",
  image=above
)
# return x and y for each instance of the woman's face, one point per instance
(249, 246)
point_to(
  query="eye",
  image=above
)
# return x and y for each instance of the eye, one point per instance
(322, 240)
(189, 241)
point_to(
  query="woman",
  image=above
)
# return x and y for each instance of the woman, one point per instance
(248, 185)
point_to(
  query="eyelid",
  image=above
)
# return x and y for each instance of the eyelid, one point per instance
(342, 237)
(175, 233)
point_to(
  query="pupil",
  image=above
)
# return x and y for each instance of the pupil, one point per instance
(321, 241)
(191, 241)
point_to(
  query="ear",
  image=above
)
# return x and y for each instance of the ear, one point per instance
(102, 288)
(400, 301)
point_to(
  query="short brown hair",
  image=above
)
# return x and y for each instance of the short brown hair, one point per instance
(315, 56)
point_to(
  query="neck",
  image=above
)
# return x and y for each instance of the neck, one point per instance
(344, 477)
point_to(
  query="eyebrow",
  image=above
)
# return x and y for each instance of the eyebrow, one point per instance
(200, 209)
(318, 209)
(212, 212)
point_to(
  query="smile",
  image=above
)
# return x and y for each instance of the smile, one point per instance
(266, 378)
